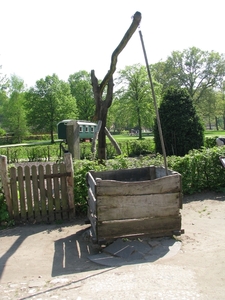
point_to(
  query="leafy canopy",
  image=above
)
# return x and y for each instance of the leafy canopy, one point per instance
(48, 103)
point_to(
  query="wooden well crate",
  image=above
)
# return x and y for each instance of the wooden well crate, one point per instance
(134, 202)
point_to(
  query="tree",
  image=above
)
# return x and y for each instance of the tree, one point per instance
(102, 105)
(81, 89)
(181, 126)
(193, 69)
(14, 115)
(48, 103)
(208, 107)
(136, 98)
(4, 82)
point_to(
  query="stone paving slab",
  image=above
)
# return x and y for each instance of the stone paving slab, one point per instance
(123, 251)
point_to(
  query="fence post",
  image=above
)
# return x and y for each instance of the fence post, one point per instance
(73, 139)
(70, 181)
(4, 177)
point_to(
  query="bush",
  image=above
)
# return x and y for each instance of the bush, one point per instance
(181, 127)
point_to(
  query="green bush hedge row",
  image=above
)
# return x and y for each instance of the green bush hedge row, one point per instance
(52, 152)
(200, 169)
(130, 148)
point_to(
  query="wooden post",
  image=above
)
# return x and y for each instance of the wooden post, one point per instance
(113, 141)
(4, 177)
(70, 180)
(95, 138)
(73, 139)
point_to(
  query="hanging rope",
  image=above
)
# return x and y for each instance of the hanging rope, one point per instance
(155, 104)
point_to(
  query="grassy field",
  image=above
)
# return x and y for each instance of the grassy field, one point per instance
(212, 133)
(118, 138)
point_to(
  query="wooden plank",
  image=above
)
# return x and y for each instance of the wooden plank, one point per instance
(36, 200)
(64, 195)
(5, 185)
(49, 194)
(152, 172)
(14, 194)
(161, 172)
(42, 193)
(50, 175)
(70, 183)
(22, 204)
(137, 207)
(91, 201)
(147, 226)
(30, 214)
(91, 182)
(93, 221)
(137, 174)
(56, 194)
(168, 184)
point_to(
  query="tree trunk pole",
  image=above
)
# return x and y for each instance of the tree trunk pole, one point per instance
(155, 104)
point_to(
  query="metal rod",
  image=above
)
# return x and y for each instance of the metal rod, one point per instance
(155, 104)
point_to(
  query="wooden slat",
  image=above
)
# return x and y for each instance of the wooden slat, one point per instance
(37, 214)
(56, 194)
(91, 201)
(137, 174)
(14, 194)
(49, 194)
(22, 203)
(30, 214)
(92, 219)
(150, 227)
(64, 196)
(162, 185)
(91, 182)
(138, 206)
(152, 172)
(42, 193)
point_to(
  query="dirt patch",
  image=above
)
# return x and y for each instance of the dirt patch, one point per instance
(51, 261)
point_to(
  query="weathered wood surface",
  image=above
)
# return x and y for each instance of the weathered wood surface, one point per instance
(149, 226)
(137, 174)
(138, 206)
(40, 194)
(91, 183)
(93, 221)
(142, 201)
(4, 180)
(91, 201)
(169, 184)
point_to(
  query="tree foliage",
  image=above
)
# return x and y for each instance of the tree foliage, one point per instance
(193, 69)
(81, 89)
(135, 98)
(48, 103)
(14, 114)
(181, 127)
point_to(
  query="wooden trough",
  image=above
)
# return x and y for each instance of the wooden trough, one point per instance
(134, 202)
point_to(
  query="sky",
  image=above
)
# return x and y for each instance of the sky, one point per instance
(42, 37)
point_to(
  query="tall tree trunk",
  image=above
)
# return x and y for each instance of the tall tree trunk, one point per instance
(102, 106)
(216, 120)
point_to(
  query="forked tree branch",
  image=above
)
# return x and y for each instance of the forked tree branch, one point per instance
(135, 23)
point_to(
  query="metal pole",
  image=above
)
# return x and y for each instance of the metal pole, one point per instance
(155, 104)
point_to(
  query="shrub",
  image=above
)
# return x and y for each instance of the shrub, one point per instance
(181, 127)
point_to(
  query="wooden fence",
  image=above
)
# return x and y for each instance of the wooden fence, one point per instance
(39, 193)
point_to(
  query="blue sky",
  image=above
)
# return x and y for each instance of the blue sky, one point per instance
(42, 37)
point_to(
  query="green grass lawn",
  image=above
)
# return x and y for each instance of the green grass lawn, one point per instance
(212, 133)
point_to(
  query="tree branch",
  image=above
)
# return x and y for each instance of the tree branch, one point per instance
(135, 23)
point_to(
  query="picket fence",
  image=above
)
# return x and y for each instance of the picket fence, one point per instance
(39, 193)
